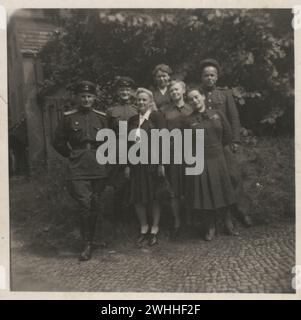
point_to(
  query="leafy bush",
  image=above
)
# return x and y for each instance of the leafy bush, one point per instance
(254, 47)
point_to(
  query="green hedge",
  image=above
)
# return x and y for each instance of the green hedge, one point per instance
(254, 47)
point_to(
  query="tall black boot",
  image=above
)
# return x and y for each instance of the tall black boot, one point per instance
(229, 223)
(93, 222)
(82, 228)
(210, 217)
(92, 227)
(241, 215)
(86, 234)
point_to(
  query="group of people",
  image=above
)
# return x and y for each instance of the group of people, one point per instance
(169, 104)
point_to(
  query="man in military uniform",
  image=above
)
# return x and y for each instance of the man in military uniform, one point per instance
(218, 98)
(122, 110)
(75, 139)
(124, 107)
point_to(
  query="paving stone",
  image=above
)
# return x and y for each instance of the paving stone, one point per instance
(259, 260)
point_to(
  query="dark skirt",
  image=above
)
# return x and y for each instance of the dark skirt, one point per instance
(213, 188)
(143, 183)
(175, 176)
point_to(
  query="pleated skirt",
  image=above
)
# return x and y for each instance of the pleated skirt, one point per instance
(175, 176)
(212, 189)
(143, 183)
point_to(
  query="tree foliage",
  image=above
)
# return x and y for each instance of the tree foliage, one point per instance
(254, 47)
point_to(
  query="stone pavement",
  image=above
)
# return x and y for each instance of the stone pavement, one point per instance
(258, 261)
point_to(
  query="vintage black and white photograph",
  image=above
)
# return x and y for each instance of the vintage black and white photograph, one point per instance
(151, 150)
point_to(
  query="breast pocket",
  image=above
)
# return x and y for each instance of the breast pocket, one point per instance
(220, 103)
(114, 122)
(76, 126)
(96, 129)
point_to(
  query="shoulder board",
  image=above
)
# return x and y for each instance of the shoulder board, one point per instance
(222, 88)
(215, 116)
(67, 113)
(100, 112)
(133, 107)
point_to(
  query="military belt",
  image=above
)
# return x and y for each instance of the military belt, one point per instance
(86, 146)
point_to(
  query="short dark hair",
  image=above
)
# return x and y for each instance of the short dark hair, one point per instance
(162, 67)
(209, 63)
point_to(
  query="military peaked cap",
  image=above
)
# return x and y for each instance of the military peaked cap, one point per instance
(124, 82)
(210, 63)
(85, 86)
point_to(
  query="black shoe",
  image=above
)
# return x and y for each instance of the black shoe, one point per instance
(209, 236)
(153, 239)
(175, 233)
(246, 220)
(142, 240)
(231, 231)
(86, 254)
(242, 216)
(229, 226)
(101, 244)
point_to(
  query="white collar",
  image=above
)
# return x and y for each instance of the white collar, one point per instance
(163, 91)
(144, 116)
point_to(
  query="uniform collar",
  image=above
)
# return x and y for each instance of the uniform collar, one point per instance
(181, 107)
(204, 114)
(206, 89)
(85, 110)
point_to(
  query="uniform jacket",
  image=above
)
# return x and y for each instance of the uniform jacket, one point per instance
(222, 100)
(120, 112)
(175, 116)
(217, 128)
(75, 139)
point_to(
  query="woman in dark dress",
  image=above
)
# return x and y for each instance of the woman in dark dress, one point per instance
(211, 191)
(175, 115)
(161, 76)
(144, 177)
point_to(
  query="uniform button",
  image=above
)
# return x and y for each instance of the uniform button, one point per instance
(210, 108)
(210, 92)
(209, 100)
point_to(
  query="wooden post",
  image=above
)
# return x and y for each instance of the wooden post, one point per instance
(36, 143)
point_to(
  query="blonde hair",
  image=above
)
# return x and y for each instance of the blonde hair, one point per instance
(173, 82)
(152, 104)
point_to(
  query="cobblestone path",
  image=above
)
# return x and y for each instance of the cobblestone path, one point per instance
(258, 261)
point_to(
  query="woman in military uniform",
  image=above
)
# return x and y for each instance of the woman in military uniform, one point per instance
(161, 76)
(212, 191)
(75, 139)
(144, 177)
(222, 99)
(175, 115)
